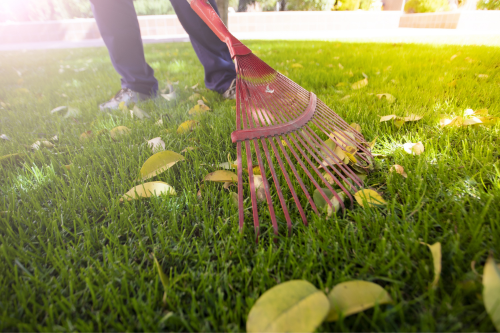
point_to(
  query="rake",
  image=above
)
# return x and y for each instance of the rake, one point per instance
(280, 122)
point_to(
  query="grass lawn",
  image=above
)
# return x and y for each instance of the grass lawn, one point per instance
(73, 257)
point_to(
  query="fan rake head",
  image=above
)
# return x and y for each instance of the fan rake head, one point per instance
(282, 125)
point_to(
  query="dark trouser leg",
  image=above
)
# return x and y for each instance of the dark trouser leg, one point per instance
(212, 52)
(119, 28)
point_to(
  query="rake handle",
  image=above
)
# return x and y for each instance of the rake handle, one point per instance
(206, 12)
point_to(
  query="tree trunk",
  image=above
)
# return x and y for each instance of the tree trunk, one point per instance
(223, 5)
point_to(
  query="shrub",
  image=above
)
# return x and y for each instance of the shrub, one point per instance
(488, 4)
(347, 5)
(426, 6)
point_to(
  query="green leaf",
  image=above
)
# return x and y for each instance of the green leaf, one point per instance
(491, 291)
(221, 176)
(351, 297)
(293, 306)
(147, 190)
(318, 199)
(158, 163)
(436, 258)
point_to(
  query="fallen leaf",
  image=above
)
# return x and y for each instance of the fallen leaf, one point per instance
(292, 306)
(156, 144)
(297, 66)
(452, 83)
(481, 112)
(387, 118)
(345, 98)
(86, 135)
(169, 97)
(454, 56)
(139, 113)
(469, 60)
(119, 131)
(340, 84)
(39, 144)
(482, 76)
(356, 127)
(344, 139)
(360, 84)
(159, 163)
(4, 137)
(221, 176)
(147, 190)
(260, 192)
(372, 198)
(256, 170)
(340, 66)
(68, 167)
(398, 122)
(233, 197)
(372, 144)
(489, 121)
(471, 121)
(491, 291)
(187, 149)
(414, 148)
(453, 122)
(198, 109)
(436, 259)
(352, 297)
(159, 122)
(398, 169)
(58, 109)
(388, 97)
(186, 127)
(320, 201)
(195, 86)
(412, 117)
(330, 210)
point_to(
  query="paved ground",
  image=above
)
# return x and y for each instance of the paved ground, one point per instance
(400, 35)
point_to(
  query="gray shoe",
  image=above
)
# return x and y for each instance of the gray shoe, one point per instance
(124, 95)
(230, 93)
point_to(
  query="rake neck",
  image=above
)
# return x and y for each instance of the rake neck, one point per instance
(271, 131)
(206, 12)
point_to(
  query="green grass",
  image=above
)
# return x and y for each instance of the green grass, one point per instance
(73, 257)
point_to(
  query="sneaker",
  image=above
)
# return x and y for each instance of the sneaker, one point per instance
(124, 95)
(230, 93)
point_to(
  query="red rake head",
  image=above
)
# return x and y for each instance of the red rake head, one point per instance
(278, 119)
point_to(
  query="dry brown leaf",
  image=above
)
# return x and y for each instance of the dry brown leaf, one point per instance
(187, 149)
(453, 122)
(398, 169)
(482, 76)
(39, 144)
(414, 148)
(412, 117)
(356, 127)
(86, 135)
(387, 118)
(360, 84)
(259, 188)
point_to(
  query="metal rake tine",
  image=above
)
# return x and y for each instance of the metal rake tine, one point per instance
(252, 189)
(296, 174)
(277, 185)
(319, 174)
(306, 170)
(266, 187)
(324, 147)
(240, 187)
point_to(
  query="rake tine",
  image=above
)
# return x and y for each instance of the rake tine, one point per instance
(240, 187)
(327, 149)
(266, 187)
(304, 168)
(252, 190)
(319, 174)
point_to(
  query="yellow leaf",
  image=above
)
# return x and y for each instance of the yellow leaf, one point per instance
(345, 98)
(472, 121)
(147, 190)
(335, 204)
(482, 76)
(119, 131)
(488, 121)
(293, 306)
(387, 118)
(360, 84)
(86, 135)
(491, 291)
(256, 170)
(481, 112)
(297, 66)
(372, 144)
(68, 167)
(398, 122)
(348, 139)
(452, 83)
(371, 197)
(139, 113)
(388, 97)
(194, 97)
(186, 127)
(454, 56)
(340, 84)
(453, 122)
(198, 109)
(221, 176)
(413, 117)
(283, 142)
(351, 297)
(356, 127)
(340, 66)
(436, 259)
(398, 169)
(158, 163)
(123, 107)
(414, 148)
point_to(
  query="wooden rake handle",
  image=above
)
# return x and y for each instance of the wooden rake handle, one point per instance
(206, 12)
(272, 131)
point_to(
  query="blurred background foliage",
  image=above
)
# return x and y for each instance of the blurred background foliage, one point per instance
(44, 10)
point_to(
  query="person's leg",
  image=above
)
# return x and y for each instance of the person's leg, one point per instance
(212, 52)
(119, 28)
